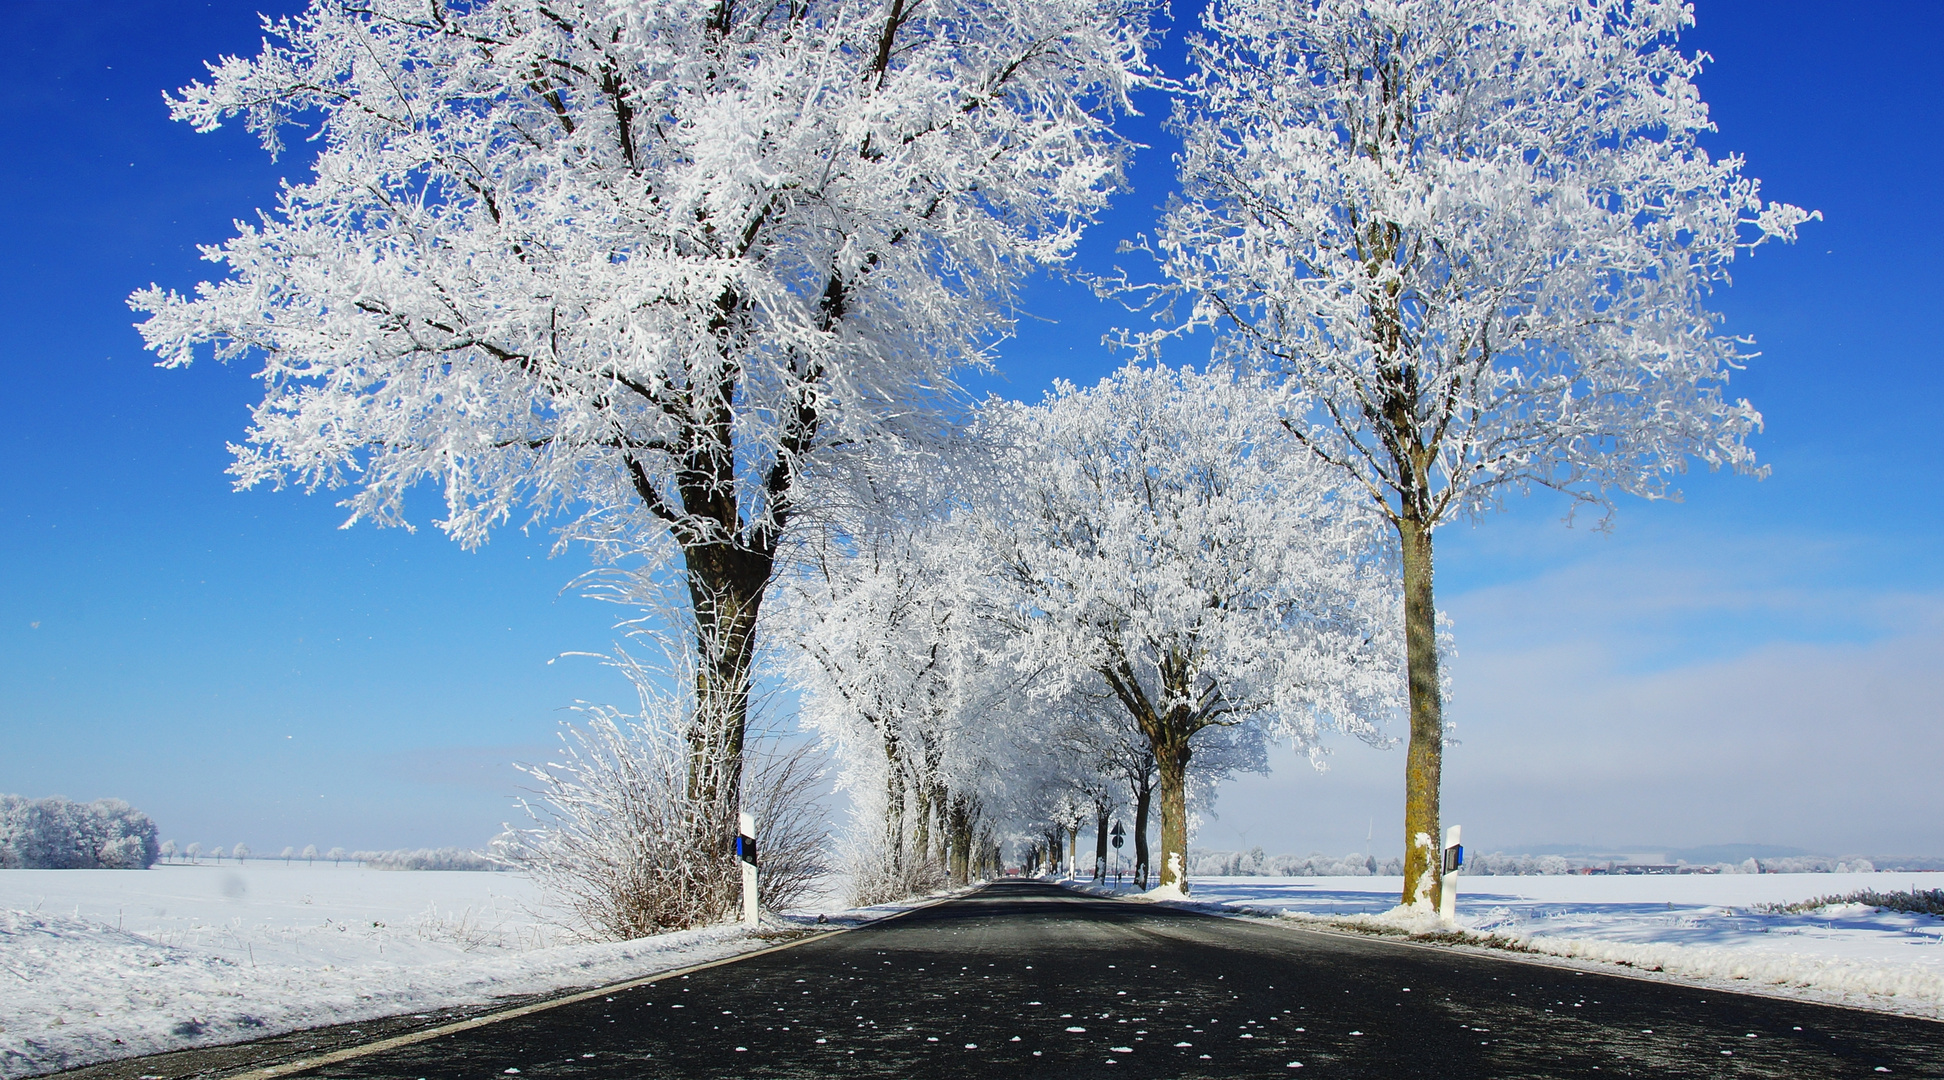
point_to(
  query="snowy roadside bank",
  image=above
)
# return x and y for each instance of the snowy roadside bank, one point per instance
(1709, 929)
(104, 964)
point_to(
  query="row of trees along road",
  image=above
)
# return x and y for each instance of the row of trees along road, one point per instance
(696, 278)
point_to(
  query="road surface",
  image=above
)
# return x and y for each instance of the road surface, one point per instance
(1024, 980)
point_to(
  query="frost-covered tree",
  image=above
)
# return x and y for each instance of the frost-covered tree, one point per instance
(310, 854)
(287, 854)
(1480, 235)
(194, 850)
(672, 265)
(241, 852)
(337, 855)
(60, 834)
(1162, 538)
(169, 849)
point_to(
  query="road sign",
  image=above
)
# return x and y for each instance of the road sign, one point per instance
(1117, 835)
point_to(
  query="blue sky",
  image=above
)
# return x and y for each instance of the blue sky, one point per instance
(1760, 663)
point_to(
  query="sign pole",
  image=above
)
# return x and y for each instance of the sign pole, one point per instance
(746, 854)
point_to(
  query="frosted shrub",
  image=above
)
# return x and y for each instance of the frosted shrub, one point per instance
(618, 841)
(1914, 900)
(880, 875)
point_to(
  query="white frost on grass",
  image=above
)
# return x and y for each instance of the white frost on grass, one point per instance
(1697, 927)
(103, 964)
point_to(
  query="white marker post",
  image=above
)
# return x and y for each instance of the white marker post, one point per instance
(1454, 858)
(746, 853)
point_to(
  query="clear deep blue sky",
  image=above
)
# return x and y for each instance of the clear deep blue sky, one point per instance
(1760, 663)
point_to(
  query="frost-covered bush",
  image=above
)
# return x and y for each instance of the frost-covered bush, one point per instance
(1916, 901)
(880, 875)
(618, 840)
(60, 834)
(615, 840)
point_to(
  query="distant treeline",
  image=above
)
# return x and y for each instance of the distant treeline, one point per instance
(61, 834)
(445, 858)
(1254, 863)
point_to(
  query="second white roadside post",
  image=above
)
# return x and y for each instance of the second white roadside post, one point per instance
(746, 853)
(1454, 857)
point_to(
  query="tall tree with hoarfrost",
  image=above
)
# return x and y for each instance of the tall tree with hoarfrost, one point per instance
(673, 265)
(1162, 540)
(1480, 237)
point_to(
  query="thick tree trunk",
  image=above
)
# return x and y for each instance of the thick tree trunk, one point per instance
(726, 586)
(1100, 844)
(1424, 760)
(1171, 761)
(1143, 801)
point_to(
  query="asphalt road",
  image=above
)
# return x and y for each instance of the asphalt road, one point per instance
(1026, 980)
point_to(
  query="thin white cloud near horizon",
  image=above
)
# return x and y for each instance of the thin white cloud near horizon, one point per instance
(1662, 691)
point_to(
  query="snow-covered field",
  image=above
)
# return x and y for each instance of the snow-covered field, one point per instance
(99, 964)
(1699, 927)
